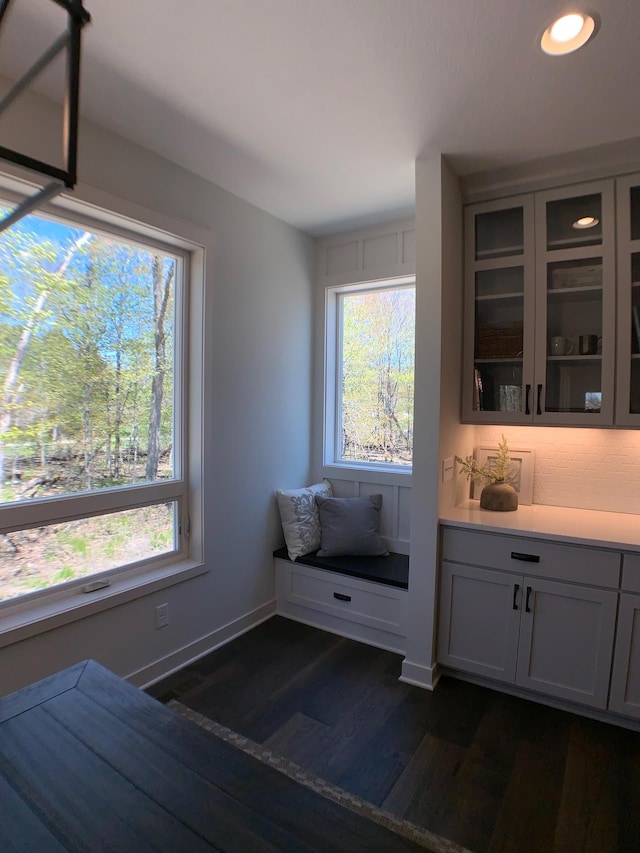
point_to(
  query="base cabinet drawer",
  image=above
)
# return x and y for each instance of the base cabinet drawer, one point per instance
(544, 559)
(553, 638)
(372, 612)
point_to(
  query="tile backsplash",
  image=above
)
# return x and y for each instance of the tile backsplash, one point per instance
(585, 468)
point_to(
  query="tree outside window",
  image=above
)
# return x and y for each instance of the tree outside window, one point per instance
(376, 378)
(88, 383)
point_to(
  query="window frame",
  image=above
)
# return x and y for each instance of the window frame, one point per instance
(39, 610)
(333, 465)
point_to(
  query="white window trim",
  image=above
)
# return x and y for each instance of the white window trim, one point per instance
(41, 611)
(395, 475)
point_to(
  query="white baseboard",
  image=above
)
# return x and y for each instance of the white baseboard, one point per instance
(419, 675)
(351, 631)
(177, 660)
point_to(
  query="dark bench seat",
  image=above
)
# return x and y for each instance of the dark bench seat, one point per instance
(392, 570)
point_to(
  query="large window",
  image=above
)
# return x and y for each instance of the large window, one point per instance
(92, 429)
(370, 337)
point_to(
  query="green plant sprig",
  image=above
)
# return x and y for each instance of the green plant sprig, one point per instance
(494, 472)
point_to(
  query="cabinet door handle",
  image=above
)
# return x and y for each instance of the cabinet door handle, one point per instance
(341, 597)
(527, 391)
(516, 587)
(525, 558)
(527, 608)
(539, 395)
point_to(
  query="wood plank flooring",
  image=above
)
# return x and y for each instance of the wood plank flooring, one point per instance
(494, 773)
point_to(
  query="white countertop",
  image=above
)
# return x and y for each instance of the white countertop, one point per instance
(566, 524)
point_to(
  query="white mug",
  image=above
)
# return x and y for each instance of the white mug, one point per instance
(560, 346)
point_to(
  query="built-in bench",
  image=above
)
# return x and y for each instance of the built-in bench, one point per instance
(392, 570)
(360, 597)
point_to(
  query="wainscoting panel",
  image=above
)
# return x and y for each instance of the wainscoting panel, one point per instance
(368, 254)
(396, 507)
(343, 258)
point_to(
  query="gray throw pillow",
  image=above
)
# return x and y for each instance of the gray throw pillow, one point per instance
(350, 526)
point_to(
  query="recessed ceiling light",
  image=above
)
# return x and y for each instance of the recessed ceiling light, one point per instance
(586, 222)
(568, 33)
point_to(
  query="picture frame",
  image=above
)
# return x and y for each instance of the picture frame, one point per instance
(520, 471)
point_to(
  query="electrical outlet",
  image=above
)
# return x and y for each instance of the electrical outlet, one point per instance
(447, 469)
(162, 615)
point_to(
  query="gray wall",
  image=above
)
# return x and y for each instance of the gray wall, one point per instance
(257, 405)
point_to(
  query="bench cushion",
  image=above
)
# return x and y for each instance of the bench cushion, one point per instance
(392, 570)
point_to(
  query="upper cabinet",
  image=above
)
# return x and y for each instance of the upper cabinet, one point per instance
(540, 308)
(575, 305)
(499, 311)
(628, 372)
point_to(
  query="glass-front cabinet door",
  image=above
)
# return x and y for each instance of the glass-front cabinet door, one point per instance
(575, 305)
(499, 307)
(628, 365)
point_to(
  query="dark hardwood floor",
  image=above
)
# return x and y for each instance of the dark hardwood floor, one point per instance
(489, 771)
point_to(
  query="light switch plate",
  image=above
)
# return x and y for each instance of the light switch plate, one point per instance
(447, 469)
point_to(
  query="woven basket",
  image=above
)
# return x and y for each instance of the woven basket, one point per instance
(499, 340)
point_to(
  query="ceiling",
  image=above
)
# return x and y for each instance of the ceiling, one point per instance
(316, 110)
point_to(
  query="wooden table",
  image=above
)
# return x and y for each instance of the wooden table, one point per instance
(88, 762)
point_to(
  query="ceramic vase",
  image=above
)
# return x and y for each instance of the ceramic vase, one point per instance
(499, 497)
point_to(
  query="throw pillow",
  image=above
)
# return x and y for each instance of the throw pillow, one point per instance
(350, 526)
(300, 519)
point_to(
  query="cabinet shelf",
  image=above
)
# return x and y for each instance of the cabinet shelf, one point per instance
(575, 358)
(489, 297)
(565, 242)
(483, 254)
(517, 360)
(565, 291)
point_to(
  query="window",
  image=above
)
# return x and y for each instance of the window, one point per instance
(93, 417)
(370, 375)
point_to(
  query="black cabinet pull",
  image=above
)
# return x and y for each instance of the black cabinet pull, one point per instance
(539, 394)
(527, 391)
(341, 597)
(516, 587)
(525, 558)
(527, 608)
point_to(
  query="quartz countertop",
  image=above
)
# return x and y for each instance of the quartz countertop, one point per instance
(565, 524)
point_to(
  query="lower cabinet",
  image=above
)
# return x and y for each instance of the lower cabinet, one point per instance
(625, 679)
(552, 637)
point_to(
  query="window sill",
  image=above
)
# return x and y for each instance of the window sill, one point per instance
(368, 474)
(24, 620)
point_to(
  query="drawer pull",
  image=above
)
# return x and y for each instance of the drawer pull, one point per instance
(341, 597)
(526, 558)
(516, 587)
(527, 607)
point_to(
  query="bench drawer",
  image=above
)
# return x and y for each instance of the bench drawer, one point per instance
(376, 605)
(538, 557)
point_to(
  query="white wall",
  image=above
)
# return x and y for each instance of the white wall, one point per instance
(417, 667)
(259, 298)
(366, 254)
(455, 437)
